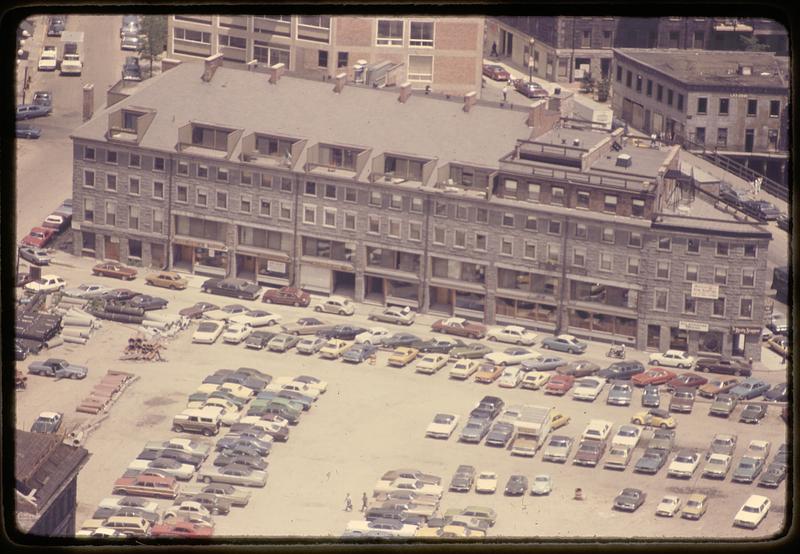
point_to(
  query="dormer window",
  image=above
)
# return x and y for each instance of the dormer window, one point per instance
(209, 137)
(273, 146)
(129, 119)
(403, 168)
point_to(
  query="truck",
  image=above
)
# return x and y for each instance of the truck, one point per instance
(49, 58)
(71, 63)
(532, 426)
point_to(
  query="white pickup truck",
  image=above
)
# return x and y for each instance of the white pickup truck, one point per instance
(71, 64)
(49, 58)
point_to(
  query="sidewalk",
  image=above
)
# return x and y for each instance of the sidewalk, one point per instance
(33, 46)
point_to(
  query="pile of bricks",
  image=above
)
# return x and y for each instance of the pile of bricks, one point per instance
(107, 390)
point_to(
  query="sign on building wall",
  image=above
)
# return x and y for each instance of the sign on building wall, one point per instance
(276, 267)
(745, 330)
(705, 290)
(693, 326)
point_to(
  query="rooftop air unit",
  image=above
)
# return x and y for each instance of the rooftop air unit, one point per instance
(624, 160)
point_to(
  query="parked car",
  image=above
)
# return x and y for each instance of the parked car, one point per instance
(622, 371)
(514, 355)
(587, 388)
(557, 449)
(696, 506)
(47, 422)
(669, 505)
(208, 332)
(684, 464)
(752, 512)
(784, 222)
(38, 237)
(543, 362)
(342, 332)
(471, 351)
(530, 89)
(442, 426)
(496, 72)
(236, 288)
(723, 405)
(86, 291)
(732, 196)
(438, 345)
(120, 295)
(289, 296)
(310, 344)
(778, 393)
(333, 349)
(235, 333)
(629, 499)
(401, 356)
(58, 222)
(394, 314)
(46, 283)
(564, 343)
(682, 400)
(513, 334)
(283, 342)
(258, 340)
(534, 380)
(474, 430)
(233, 474)
(628, 436)
(516, 485)
(618, 457)
(723, 365)
(716, 386)
(672, 358)
(226, 492)
(651, 396)
(460, 327)
(758, 449)
(511, 377)
(30, 111)
(131, 70)
(336, 305)
(723, 443)
(589, 452)
(761, 209)
(181, 529)
(146, 485)
(652, 377)
(486, 482)
(45, 98)
(306, 326)
(619, 394)
(60, 369)
(431, 363)
(167, 279)
(358, 353)
(463, 479)
(717, 466)
(374, 336)
(148, 302)
(500, 434)
(463, 369)
(747, 469)
(559, 384)
(651, 461)
(749, 388)
(56, 25)
(488, 373)
(400, 339)
(27, 131)
(655, 418)
(167, 466)
(685, 380)
(578, 368)
(773, 476)
(778, 323)
(752, 413)
(114, 269)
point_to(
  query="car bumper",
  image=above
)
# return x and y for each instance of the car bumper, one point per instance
(474, 440)
(742, 479)
(625, 507)
(591, 463)
(745, 524)
(437, 435)
(679, 474)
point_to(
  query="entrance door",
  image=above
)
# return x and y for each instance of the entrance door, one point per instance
(749, 139)
(373, 289)
(647, 121)
(157, 255)
(654, 336)
(678, 339)
(658, 123)
(605, 67)
(509, 44)
(344, 283)
(627, 110)
(111, 248)
(737, 348)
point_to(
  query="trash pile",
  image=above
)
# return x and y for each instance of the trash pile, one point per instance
(106, 392)
(37, 329)
(142, 349)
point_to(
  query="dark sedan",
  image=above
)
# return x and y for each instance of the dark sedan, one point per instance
(778, 393)
(437, 346)
(621, 371)
(127, 511)
(784, 222)
(47, 422)
(651, 461)
(236, 288)
(121, 295)
(463, 479)
(687, 380)
(629, 499)
(43, 98)
(530, 89)
(753, 413)
(342, 332)
(254, 462)
(259, 339)
(34, 255)
(400, 339)
(500, 434)
(147, 302)
(517, 485)
(289, 296)
(25, 131)
(773, 476)
(131, 70)
(723, 365)
(197, 311)
(761, 209)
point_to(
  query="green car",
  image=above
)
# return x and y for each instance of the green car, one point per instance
(293, 407)
(472, 351)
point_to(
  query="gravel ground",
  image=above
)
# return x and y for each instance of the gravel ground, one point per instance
(373, 419)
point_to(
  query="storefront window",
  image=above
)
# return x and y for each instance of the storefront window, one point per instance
(400, 289)
(273, 268)
(710, 341)
(211, 257)
(470, 301)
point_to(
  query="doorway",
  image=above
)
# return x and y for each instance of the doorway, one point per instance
(111, 248)
(344, 283)
(678, 339)
(749, 139)
(374, 289)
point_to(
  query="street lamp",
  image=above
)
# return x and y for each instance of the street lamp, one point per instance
(530, 61)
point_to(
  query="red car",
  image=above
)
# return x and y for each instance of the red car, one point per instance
(116, 270)
(290, 296)
(39, 237)
(495, 72)
(181, 529)
(652, 377)
(559, 384)
(146, 485)
(461, 327)
(692, 380)
(530, 90)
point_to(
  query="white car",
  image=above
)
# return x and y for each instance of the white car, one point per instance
(534, 380)
(627, 435)
(463, 368)
(431, 363)
(358, 527)
(336, 305)
(486, 482)
(394, 314)
(207, 331)
(511, 356)
(302, 388)
(758, 449)
(310, 345)
(256, 318)
(49, 58)
(86, 290)
(542, 484)
(672, 358)
(669, 506)
(184, 472)
(239, 391)
(236, 332)
(333, 349)
(186, 507)
(717, 466)
(47, 283)
(587, 388)
(442, 426)
(312, 382)
(597, 429)
(376, 335)
(408, 484)
(684, 464)
(511, 377)
(513, 334)
(752, 512)
(271, 425)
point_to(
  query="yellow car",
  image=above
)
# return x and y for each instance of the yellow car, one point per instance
(558, 420)
(655, 418)
(402, 356)
(167, 279)
(779, 345)
(488, 373)
(333, 349)
(695, 506)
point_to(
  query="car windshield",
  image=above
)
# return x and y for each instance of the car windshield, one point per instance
(751, 509)
(443, 419)
(558, 443)
(716, 461)
(684, 459)
(693, 504)
(206, 327)
(627, 433)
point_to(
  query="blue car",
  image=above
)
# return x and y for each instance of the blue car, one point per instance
(749, 388)
(565, 343)
(28, 131)
(359, 352)
(29, 111)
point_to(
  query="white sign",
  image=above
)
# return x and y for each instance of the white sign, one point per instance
(692, 326)
(276, 267)
(705, 290)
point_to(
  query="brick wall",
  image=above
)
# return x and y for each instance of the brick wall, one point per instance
(354, 31)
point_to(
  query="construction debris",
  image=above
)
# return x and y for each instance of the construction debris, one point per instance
(142, 349)
(105, 393)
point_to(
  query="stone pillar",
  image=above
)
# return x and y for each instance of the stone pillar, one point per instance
(88, 101)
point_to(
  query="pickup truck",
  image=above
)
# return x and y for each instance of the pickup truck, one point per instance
(49, 58)
(71, 63)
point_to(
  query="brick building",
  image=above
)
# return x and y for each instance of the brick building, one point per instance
(734, 102)
(448, 206)
(444, 53)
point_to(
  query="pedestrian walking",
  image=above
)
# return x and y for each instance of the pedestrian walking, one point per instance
(494, 50)
(348, 503)
(783, 358)
(505, 93)
(364, 502)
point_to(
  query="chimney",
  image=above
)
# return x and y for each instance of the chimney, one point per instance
(745, 69)
(275, 73)
(88, 101)
(211, 65)
(469, 100)
(169, 63)
(405, 92)
(339, 83)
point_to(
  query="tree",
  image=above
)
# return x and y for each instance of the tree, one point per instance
(603, 88)
(752, 44)
(154, 37)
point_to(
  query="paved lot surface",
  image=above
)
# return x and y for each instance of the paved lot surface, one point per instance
(373, 419)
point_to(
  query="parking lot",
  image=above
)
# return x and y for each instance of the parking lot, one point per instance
(373, 419)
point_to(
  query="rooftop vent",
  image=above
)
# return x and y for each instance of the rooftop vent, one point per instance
(623, 160)
(211, 65)
(275, 73)
(340, 80)
(576, 142)
(745, 69)
(405, 92)
(469, 100)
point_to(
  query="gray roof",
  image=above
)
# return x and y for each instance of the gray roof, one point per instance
(711, 67)
(427, 127)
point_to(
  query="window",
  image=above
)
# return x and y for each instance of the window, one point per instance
(415, 231)
(508, 220)
(774, 108)
(724, 106)
(722, 137)
(329, 217)
(222, 174)
(201, 197)
(721, 275)
(438, 235)
(638, 83)
(693, 246)
(309, 214)
(202, 171)
(265, 207)
(670, 95)
(374, 225)
(330, 192)
(111, 157)
(510, 186)
(692, 271)
(88, 178)
(746, 308)
(610, 203)
(554, 227)
(460, 239)
(350, 195)
(88, 209)
(159, 164)
(581, 231)
(679, 105)
(222, 200)
(111, 213)
(88, 153)
(183, 168)
(662, 269)
(586, 38)
(311, 189)
(606, 261)
(700, 135)
(750, 250)
(665, 244)
(135, 160)
(158, 220)
(322, 58)
(718, 307)
(628, 78)
(507, 246)
(461, 212)
(649, 87)
(661, 300)
(635, 240)
(752, 107)
(394, 228)
(133, 185)
(396, 202)
(659, 93)
(531, 223)
(246, 178)
(533, 192)
(158, 189)
(722, 248)
(232, 42)
(579, 256)
(286, 184)
(530, 250)
(342, 60)
(285, 212)
(553, 253)
(133, 217)
(480, 242)
(482, 215)
(619, 74)
(637, 207)
(192, 36)
(390, 32)
(583, 200)
(420, 68)
(702, 106)
(421, 34)
(607, 39)
(608, 235)
(111, 182)
(350, 221)
(375, 198)
(262, 180)
(557, 196)
(245, 204)
(633, 266)
(689, 304)
(748, 277)
(699, 39)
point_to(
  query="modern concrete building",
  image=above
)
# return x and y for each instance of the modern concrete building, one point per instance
(46, 472)
(734, 102)
(443, 53)
(448, 205)
(566, 47)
